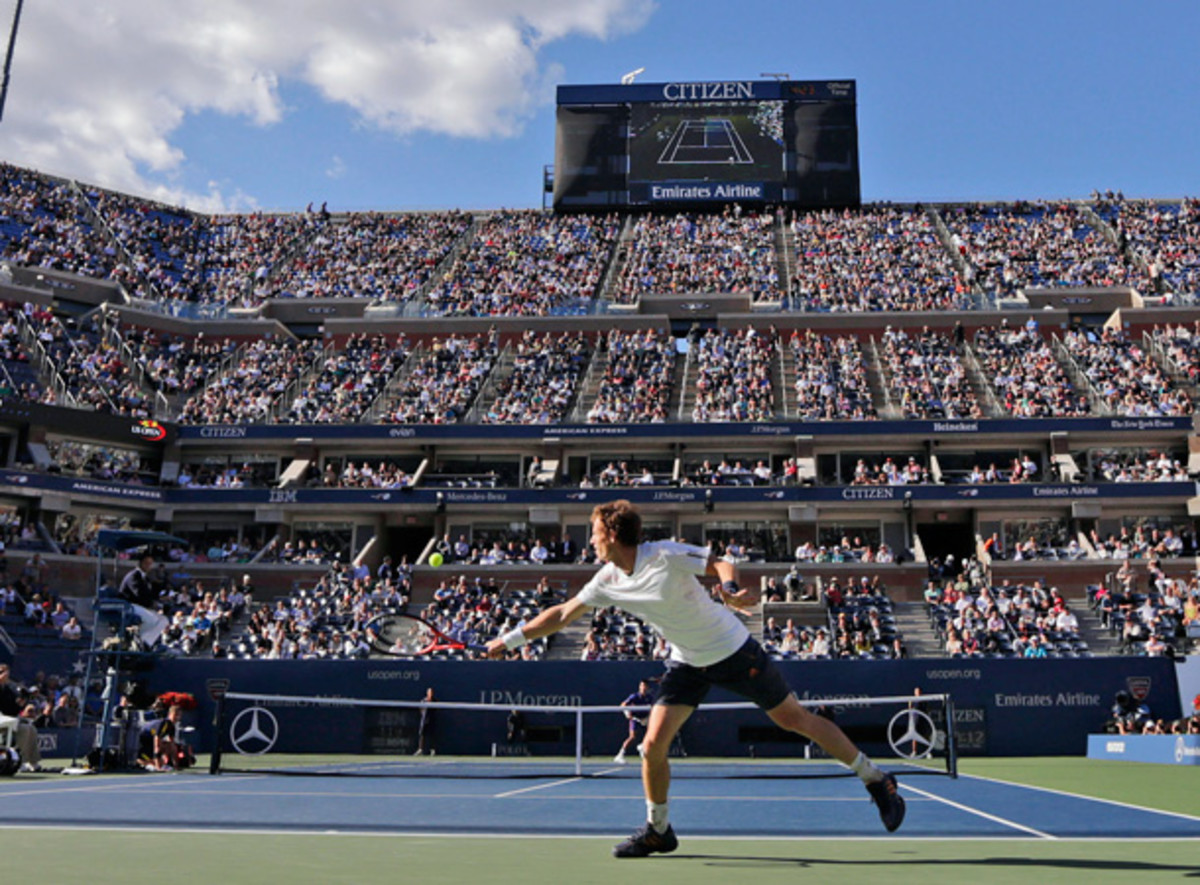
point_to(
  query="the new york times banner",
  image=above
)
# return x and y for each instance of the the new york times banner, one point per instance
(1003, 707)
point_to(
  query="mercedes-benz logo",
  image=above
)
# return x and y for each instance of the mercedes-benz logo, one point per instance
(254, 731)
(912, 734)
(1179, 744)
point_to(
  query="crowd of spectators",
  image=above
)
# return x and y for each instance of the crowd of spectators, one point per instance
(441, 381)
(1137, 465)
(1144, 540)
(975, 618)
(305, 548)
(638, 373)
(1150, 618)
(175, 364)
(1019, 245)
(260, 373)
(528, 263)
(369, 255)
(198, 618)
(870, 259)
(1165, 236)
(1022, 468)
(493, 546)
(347, 379)
(862, 620)
(831, 377)
(846, 549)
(330, 620)
(48, 702)
(890, 472)
(384, 474)
(542, 384)
(98, 462)
(243, 251)
(733, 376)
(1026, 378)
(927, 376)
(45, 223)
(1180, 347)
(616, 635)
(92, 370)
(164, 245)
(474, 612)
(1124, 375)
(728, 473)
(246, 475)
(731, 251)
(632, 472)
(1024, 540)
(19, 379)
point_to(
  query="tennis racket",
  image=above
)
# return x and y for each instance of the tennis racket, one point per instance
(405, 635)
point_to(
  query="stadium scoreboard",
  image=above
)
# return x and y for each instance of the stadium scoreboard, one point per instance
(679, 144)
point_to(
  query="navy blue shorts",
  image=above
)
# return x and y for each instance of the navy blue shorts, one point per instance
(748, 672)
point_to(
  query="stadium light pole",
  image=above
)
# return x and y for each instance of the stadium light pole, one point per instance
(8, 56)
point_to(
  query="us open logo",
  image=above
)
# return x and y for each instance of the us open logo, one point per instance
(150, 430)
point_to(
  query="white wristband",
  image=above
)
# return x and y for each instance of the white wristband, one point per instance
(514, 638)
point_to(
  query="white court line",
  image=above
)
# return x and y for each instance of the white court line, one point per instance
(453, 834)
(1083, 796)
(978, 813)
(557, 783)
(76, 787)
(510, 793)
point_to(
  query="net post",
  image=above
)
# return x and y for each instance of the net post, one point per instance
(578, 741)
(214, 760)
(951, 738)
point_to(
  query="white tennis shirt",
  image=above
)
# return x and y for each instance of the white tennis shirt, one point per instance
(663, 591)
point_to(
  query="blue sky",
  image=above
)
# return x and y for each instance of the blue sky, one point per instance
(389, 104)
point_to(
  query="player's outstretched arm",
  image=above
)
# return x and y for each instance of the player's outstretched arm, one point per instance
(726, 572)
(546, 623)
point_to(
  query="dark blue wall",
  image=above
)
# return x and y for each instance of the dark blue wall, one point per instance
(1005, 707)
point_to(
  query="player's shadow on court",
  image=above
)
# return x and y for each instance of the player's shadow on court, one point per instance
(1082, 864)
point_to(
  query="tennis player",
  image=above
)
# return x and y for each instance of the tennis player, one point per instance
(640, 698)
(658, 582)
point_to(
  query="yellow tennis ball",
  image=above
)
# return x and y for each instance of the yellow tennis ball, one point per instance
(435, 559)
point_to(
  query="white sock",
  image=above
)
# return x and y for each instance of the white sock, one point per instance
(656, 814)
(866, 769)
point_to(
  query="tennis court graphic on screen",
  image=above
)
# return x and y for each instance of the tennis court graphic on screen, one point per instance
(688, 143)
(708, 141)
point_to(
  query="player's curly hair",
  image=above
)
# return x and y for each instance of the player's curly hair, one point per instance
(622, 520)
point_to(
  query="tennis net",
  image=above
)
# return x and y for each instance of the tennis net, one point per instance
(290, 734)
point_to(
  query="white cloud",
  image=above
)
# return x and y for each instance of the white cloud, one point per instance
(99, 86)
(336, 168)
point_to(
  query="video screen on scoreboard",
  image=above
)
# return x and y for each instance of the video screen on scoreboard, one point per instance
(706, 142)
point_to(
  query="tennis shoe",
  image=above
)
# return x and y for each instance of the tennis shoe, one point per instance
(885, 794)
(619, 758)
(647, 841)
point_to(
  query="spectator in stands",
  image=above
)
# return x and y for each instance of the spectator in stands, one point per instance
(72, 631)
(27, 736)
